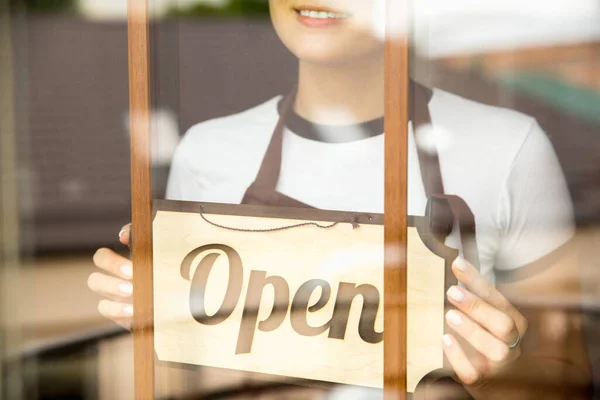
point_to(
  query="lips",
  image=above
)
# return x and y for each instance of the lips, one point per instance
(319, 17)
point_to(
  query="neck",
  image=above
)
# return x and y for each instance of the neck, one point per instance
(341, 95)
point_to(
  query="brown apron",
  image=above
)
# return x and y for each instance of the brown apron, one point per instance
(443, 211)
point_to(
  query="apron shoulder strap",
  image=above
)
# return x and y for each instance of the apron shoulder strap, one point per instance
(262, 190)
(268, 174)
(443, 210)
(421, 118)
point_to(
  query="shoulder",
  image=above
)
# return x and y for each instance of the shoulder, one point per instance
(243, 126)
(220, 154)
(485, 132)
(460, 111)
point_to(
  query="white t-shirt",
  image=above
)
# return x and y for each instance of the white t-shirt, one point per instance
(499, 161)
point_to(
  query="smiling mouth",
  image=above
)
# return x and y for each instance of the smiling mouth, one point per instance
(320, 13)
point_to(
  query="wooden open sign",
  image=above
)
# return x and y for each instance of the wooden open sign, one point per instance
(233, 291)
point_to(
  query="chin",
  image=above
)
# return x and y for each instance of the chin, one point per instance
(319, 52)
(329, 48)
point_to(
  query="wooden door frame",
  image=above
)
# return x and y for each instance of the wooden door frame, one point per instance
(141, 198)
(395, 199)
(396, 155)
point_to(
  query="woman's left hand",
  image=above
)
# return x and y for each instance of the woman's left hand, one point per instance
(485, 320)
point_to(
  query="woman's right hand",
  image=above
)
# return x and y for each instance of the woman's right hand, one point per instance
(114, 282)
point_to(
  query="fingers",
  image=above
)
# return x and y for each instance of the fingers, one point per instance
(465, 371)
(114, 263)
(125, 235)
(481, 287)
(477, 284)
(499, 324)
(110, 286)
(121, 313)
(483, 341)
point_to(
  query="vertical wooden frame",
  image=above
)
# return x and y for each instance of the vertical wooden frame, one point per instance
(141, 197)
(396, 183)
(396, 192)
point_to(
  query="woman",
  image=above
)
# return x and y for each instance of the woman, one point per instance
(330, 155)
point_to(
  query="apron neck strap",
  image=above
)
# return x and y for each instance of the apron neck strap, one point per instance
(443, 210)
(268, 174)
(421, 119)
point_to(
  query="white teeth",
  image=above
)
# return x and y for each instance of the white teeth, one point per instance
(321, 14)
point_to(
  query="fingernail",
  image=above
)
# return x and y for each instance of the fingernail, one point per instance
(461, 264)
(126, 270)
(454, 318)
(126, 288)
(447, 340)
(128, 310)
(456, 294)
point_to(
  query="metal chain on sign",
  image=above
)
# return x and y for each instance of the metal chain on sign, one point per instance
(354, 224)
